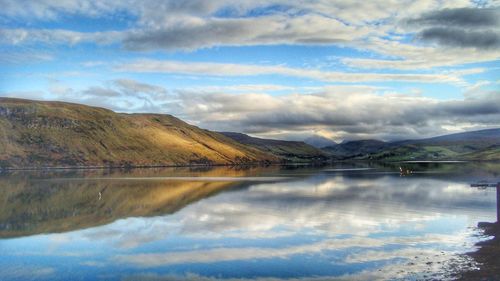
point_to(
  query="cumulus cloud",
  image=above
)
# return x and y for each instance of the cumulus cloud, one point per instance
(359, 114)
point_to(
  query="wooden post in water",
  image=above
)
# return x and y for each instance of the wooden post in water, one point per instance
(498, 202)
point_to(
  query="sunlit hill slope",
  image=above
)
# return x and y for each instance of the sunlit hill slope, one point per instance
(49, 134)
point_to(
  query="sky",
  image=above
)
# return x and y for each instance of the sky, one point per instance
(338, 69)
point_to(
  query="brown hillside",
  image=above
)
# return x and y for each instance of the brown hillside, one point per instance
(49, 134)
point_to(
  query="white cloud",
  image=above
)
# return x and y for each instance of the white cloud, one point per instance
(228, 69)
(408, 56)
(358, 114)
(380, 27)
(19, 36)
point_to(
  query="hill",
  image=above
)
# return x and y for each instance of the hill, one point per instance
(353, 149)
(295, 151)
(50, 134)
(319, 141)
(475, 145)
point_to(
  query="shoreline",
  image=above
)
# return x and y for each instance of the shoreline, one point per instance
(252, 164)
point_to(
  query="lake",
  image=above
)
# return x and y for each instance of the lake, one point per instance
(349, 221)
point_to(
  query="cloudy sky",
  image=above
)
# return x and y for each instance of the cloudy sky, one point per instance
(343, 69)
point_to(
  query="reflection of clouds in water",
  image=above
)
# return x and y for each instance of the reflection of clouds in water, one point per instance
(91, 263)
(25, 272)
(250, 253)
(432, 264)
(332, 206)
(133, 232)
(196, 277)
(327, 206)
(376, 224)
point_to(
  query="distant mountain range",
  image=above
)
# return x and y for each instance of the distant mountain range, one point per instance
(319, 141)
(475, 145)
(36, 134)
(292, 151)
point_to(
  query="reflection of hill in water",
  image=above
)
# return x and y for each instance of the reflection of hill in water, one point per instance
(31, 204)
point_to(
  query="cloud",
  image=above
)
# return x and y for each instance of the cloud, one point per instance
(131, 87)
(379, 27)
(18, 36)
(411, 56)
(24, 57)
(100, 92)
(461, 17)
(53, 9)
(122, 95)
(461, 27)
(228, 69)
(461, 38)
(359, 114)
(203, 33)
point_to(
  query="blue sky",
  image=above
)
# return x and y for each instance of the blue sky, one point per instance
(280, 69)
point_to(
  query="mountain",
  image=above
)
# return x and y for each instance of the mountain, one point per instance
(290, 150)
(319, 141)
(351, 149)
(49, 134)
(475, 145)
(482, 137)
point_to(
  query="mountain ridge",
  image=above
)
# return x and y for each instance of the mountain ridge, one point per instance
(472, 145)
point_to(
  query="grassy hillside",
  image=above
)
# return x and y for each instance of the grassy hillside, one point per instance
(476, 145)
(354, 149)
(289, 150)
(40, 134)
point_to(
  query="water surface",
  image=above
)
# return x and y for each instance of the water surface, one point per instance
(350, 221)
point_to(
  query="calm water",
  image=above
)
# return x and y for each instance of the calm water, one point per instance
(350, 221)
